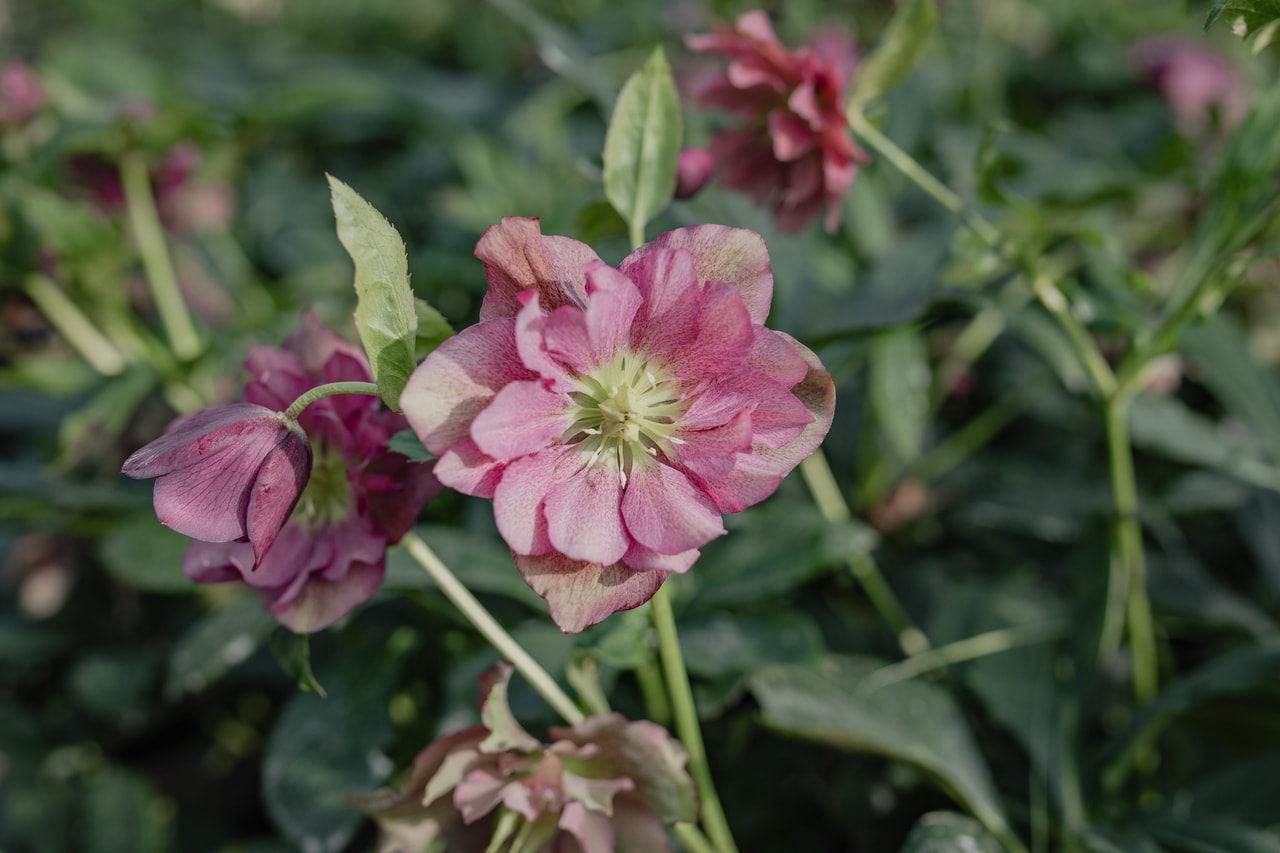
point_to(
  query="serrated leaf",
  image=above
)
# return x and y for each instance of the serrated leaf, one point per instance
(948, 832)
(386, 317)
(433, 329)
(642, 145)
(904, 40)
(407, 443)
(911, 721)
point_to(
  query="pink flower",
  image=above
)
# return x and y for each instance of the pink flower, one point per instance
(694, 168)
(227, 473)
(614, 414)
(1194, 81)
(794, 152)
(603, 785)
(21, 95)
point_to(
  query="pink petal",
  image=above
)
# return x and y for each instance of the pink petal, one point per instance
(517, 257)
(276, 490)
(517, 502)
(668, 284)
(725, 336)
(716, 404)
(192, 438)
(323, 602)
(279, 378)
(721, 253)
(614, 300)
(777, 417)
(590, 829)
(582, 594)
(773, 355)
(667, 513)
(523, 418)
(818, 394)
(531, 343)
(637, 829)
(792, 137)
(710, 453)
(466, 468)
(567, 339)
(643, 559)
(457, 381)
(584, 520)
(217, 562)
(751, 480)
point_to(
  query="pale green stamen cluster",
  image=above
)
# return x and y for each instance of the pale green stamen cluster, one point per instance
(626, 413)
(327, 499)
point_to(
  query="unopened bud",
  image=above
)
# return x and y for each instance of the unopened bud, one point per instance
(693, 170)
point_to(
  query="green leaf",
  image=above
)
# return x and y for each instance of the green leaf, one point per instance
(948, 832)
(900, 381)
(643, 144)
(1257, 19)
(911, 721)
(322, 749)
(1232, 673)
(1210, 835)
(293, 653)
(407, 443)
(146, 555)
(903, 41)
(728, 644)
(433, 329)
(386, 317)
(1165, 426)
(122, 811)
(217, 643)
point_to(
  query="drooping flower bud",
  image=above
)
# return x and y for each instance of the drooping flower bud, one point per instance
(694, 168)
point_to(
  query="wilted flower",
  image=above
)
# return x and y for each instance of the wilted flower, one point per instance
(694, 168)
(603, 785)
(614, 414)
(227, 473)
(794, 152)
(1194, 82)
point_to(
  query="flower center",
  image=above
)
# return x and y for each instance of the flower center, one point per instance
(627, 412)
(327, 498)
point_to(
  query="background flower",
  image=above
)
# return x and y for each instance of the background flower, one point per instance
(331, 555)
(794, 153)
(614, 414)
(605, 784)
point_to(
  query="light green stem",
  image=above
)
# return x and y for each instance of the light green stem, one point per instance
(506, 645)
(145, 221)
(1129, 556)
(831, 503)
(320, 391)
(77, 329)
(686, 719)
(693, 839)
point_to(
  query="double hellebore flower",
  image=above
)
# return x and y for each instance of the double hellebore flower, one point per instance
(794, 152)
(235, 478)
(603, 785)
(614, 414)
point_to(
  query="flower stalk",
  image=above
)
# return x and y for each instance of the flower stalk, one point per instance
(329, 390)
(145, 222)
(686, 719)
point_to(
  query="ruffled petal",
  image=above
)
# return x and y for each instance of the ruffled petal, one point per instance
(517, 257)
(643, 559)
(724, 338)
(668, 284)
(522, 418)
(667, 513)
(468, 469)
(710, 453)
(817, 392)
(517, 502)
(721, 253)
(584, 519)
(581, 594)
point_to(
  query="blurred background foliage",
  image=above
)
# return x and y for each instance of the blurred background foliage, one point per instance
(138, 712)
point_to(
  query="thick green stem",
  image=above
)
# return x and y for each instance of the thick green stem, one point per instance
(296, 407)
(145, 222)
(77, 329)
(1128, 555)
(686, 718)
(491, 630)
(831, 503)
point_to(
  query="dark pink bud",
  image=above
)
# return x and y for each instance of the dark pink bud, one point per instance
(693, 170)
(227, 473)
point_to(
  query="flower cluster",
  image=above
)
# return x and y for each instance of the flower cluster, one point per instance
(794, 152)
(614, 414)
(603, 785)
(303, 512)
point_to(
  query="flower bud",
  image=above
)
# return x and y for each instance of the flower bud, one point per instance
(693, 170)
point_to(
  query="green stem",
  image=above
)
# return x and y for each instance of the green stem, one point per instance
(693, 839)
(77, 329)
(686, 718)
(491, 630)
(145, 221)
(1052, 298)
(831, 503)
(296, 407)
(1127, 548)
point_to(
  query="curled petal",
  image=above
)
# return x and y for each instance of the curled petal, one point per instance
(721, 253)
(517, 257)
(582, 594)
(667, 513)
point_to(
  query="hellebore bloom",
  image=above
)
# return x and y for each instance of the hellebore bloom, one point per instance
(794, 152)
(603, 785)
(227, 473)
(1194, 82)
(614, 414)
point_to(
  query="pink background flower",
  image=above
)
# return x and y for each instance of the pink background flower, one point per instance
(794, 152)
(614, 414)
